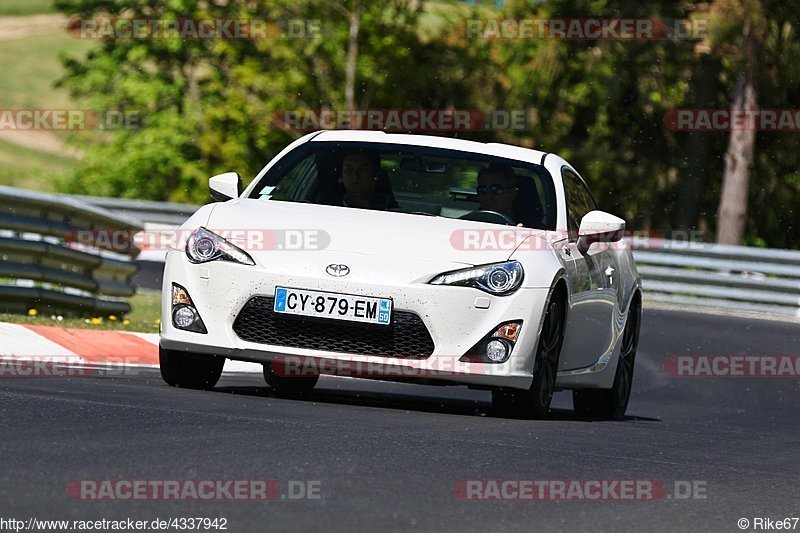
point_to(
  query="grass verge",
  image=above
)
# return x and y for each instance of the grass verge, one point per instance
(26, 7)
(31, 66)
(145, 316)
(30, 168)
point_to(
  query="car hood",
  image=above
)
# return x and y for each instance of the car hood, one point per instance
(334, 232)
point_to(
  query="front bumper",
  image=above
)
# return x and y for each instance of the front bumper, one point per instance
(457, 318)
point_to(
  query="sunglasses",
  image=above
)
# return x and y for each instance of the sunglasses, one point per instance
(494, 188)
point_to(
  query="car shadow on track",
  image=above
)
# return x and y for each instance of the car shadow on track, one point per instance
(405, 402)
(386, 400)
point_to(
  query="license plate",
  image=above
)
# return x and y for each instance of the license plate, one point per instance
(333, 305)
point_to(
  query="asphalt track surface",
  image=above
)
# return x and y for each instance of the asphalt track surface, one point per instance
(388, 455)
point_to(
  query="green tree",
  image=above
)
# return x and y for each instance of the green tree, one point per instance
(601, 104)
(209, 106)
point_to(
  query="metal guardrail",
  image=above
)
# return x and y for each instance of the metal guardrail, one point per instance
(44, 267)
(145, 210)
(760, 280)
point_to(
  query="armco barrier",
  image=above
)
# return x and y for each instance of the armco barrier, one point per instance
(145, 210)
(761, 280)
(42, 267)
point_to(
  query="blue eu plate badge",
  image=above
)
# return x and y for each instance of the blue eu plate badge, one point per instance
(280, 300)
(384, 312)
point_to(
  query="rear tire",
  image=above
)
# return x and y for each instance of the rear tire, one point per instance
(189, 370)
(611, 404)
(288, 385)
(535, 402)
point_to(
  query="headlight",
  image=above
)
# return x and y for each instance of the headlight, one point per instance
(499, 279)
(204, 246)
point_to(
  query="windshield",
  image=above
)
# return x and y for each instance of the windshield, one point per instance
(414, 179)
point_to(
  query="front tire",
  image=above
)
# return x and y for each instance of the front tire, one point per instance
(189, 370)
(611, 404)
(535, 402)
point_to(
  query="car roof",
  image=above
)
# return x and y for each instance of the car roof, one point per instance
(493, 149)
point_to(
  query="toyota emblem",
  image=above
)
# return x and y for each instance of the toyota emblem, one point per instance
(338, 271)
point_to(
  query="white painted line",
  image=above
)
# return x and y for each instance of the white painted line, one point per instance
(17, 340)
(149, 337)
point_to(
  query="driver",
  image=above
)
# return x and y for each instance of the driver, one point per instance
(497, 189)
(361, 178)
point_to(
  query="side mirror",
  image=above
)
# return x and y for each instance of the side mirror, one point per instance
(225, 186)
(599, 226)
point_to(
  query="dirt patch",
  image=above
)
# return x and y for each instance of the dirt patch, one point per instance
(21, 27)
(44, 141)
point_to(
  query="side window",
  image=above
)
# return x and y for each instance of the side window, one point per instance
(296, 184)
(579, 202)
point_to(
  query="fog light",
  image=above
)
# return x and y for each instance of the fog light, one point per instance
(496, 347)
(184, 313)
(496, 351)
(183, 317)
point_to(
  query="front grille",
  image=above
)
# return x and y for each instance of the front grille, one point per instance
(406, 338)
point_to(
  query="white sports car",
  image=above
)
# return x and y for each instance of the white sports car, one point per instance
(408, 257)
